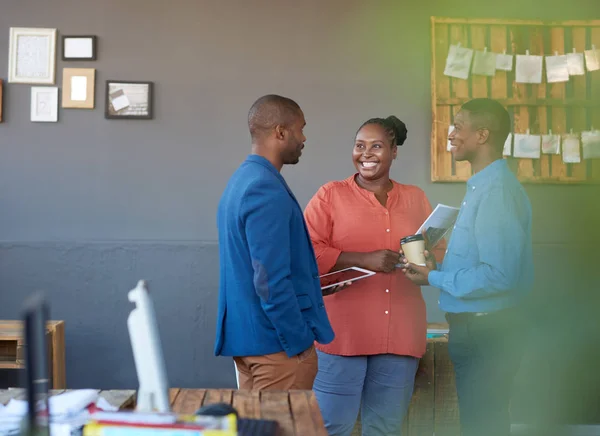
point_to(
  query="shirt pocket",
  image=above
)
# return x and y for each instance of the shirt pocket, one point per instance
(461, 242)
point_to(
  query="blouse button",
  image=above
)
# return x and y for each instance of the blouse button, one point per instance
(387, 290)
(386, 312)
(387, 230)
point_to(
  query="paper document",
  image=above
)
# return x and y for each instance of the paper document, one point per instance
(438, 223)
(68, 412)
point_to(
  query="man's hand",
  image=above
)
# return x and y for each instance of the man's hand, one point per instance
(429, 257)
(335, 289)
(417, 274)
(381, 260)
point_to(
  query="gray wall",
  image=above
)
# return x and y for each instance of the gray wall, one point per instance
(89, 205)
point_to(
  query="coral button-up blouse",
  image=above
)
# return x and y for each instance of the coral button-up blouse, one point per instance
(384, 313)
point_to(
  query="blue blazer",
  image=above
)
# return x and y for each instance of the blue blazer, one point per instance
(270, 296)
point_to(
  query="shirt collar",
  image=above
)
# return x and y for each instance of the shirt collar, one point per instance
(487, 174)
(392, 193)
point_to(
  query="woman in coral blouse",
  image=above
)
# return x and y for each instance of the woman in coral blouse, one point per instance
(379, 322)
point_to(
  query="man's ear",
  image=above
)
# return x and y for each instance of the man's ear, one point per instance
(482, 136)
(279, 132)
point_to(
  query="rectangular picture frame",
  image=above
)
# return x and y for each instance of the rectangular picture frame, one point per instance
(129, 100)
(78, 88)
(32, 55)
(78, 47)
(44, 104)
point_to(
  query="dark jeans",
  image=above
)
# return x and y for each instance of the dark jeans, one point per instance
(486, 352)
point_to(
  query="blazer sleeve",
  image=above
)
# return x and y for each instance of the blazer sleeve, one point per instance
(319, 221)
(266, 212)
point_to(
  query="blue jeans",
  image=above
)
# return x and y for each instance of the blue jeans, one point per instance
(383, 382)
(486, 352)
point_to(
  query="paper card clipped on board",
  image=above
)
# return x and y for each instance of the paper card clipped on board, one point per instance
(592, 59)
(507, 150)
(590, 143)
(504, 62)
(458, 62)
(484, 63)
(570, 145)
(550, 143)
(557, 68)
(527, 146)
(575, 64)
(529, 68)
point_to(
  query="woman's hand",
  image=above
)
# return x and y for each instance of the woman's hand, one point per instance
(335, 289)
(381, 260)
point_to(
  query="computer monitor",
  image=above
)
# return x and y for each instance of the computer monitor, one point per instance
(153, 392)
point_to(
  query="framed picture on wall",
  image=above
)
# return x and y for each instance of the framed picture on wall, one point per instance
(78, 88)
(44, 104)
(79, 48)
(32, 55)
(129, 100)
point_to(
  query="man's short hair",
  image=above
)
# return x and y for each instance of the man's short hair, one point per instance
(486, 113)
(269, 111)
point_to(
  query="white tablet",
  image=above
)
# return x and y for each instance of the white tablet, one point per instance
(351, 274)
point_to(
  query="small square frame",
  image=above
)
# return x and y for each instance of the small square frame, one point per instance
(72, 57)
(67, 92)
(34, 52)
(52, 115)
(128, 90)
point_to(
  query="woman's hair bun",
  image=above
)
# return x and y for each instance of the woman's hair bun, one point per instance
(399, 129)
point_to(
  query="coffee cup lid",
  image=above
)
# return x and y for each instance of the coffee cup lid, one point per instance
(411, 238)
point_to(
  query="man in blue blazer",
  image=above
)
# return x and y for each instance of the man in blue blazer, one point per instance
(270, 302)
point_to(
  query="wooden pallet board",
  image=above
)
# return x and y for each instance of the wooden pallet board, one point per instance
(11, 352)
(539, 108)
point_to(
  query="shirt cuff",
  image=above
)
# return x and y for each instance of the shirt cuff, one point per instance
(436, 278)
(327, 258)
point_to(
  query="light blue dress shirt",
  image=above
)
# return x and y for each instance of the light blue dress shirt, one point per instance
(489, 264)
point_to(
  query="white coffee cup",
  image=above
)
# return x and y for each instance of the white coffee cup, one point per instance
(414, 248)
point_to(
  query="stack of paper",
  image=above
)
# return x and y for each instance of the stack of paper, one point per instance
(68, 412)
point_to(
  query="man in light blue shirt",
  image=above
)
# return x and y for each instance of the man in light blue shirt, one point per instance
(486, 272)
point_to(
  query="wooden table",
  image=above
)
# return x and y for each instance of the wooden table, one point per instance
(297, 412)
(433, 409)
